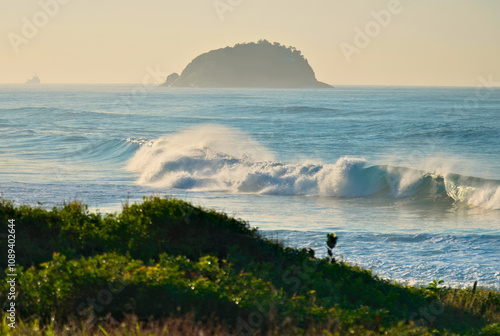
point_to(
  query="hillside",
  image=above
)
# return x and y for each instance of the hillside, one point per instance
(167, 267)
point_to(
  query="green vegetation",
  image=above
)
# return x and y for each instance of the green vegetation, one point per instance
(167, 267)
(258, 65)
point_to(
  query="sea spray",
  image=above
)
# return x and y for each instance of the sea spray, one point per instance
(473, 191)
(217, 158)
(182, 159)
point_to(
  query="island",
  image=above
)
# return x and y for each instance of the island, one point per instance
(249, 65)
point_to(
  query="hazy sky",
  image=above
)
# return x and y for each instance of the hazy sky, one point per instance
(422, 42)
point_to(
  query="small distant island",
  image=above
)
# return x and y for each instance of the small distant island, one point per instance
(249, 65)
(34, 80)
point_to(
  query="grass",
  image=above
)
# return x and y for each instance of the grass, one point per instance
(165, 267)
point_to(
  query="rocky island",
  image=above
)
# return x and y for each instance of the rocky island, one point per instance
(251, 65)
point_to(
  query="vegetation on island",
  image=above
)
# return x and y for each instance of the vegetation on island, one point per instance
(166, 267)
(248, 65)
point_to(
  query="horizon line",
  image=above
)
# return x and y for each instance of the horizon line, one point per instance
(334, 85)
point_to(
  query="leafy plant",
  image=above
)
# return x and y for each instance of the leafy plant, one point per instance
(433, 290)
(331, 242)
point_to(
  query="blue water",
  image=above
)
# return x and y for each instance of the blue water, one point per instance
(409, 178)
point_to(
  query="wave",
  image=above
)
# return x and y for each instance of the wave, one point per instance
(109, 150)
(216, 158)
(88, 149)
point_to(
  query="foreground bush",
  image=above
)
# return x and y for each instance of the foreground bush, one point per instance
(165, 260)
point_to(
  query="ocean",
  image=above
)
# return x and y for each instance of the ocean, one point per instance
(407, 177)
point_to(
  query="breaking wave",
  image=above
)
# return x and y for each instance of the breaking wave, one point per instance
(217, 158)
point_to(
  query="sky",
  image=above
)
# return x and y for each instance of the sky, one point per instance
(347, 42)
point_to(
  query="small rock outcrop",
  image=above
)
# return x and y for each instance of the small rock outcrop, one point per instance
(171, 79)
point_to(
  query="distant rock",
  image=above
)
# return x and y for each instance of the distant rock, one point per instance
(250, 65)
(34, 80)
(171, 79)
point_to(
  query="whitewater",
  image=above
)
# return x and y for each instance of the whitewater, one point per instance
(408, 178)
(215, 158)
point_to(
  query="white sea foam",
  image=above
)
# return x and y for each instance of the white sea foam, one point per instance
(213, 157)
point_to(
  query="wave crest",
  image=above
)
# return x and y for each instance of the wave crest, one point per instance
(216, 158)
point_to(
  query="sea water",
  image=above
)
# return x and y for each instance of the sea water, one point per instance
(407, 177)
